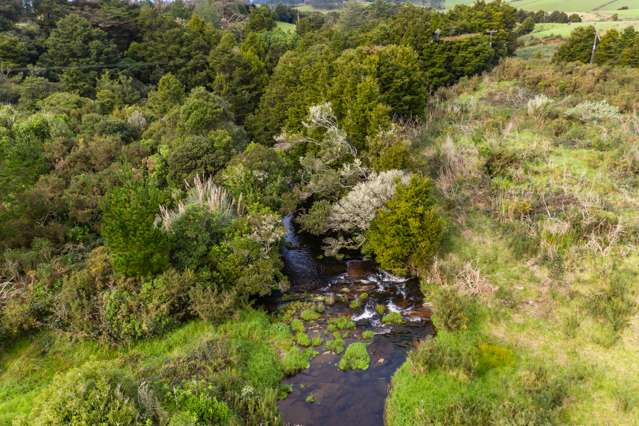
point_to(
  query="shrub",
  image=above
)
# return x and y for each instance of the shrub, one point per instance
(407, 234)
(137, 246)
(201, 407)
(192, 235)
(453, 310)
(92, 394)
(594, 111)
(355, 358)
(191, 156)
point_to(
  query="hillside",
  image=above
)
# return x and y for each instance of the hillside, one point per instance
(539, 167)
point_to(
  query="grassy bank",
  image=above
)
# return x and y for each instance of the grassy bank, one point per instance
(538, 323)
(245, 359)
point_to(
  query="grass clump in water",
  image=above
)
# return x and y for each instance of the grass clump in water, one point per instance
(355, 358)
(310, 315)
(336, 345)
(393, 318)
(340, 323)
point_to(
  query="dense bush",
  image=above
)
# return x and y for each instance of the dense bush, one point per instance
(137, 246)
(406, 235)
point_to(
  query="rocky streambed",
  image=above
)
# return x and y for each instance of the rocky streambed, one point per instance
(352, 302)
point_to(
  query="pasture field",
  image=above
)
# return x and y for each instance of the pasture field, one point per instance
(543, 31)
(564, 5)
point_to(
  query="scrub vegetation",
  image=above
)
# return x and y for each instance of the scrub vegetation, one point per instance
(148, 153)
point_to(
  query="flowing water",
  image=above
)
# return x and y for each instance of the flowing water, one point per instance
(351, 397)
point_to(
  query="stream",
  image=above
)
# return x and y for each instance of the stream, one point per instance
(351, 397)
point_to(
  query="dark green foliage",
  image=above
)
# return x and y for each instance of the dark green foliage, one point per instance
(201, 112)
(168, 47)
(75, 44)
(193, 234)
(259, 175)
(239, 76)
(578, 47)
(300, 79)
(200, 155)
(137, 246)
(613, 48)
(407, 234)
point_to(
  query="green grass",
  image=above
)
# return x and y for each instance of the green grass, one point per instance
(288, 28)
(553, 287)
(28, 366)
(574, 5)
(550, 30)
(355, 358)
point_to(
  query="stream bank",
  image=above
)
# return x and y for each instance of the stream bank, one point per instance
(363, 297)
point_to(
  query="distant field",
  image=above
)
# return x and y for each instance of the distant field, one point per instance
(564, 30)
(563, 5)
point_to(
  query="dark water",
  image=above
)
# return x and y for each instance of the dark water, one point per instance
(352, 397)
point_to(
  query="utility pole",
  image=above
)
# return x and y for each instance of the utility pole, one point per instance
(491, 33)
(594, 46)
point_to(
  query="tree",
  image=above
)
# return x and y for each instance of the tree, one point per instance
(301, 79)
(137, 246)
(168, 47)
(81, 50)
(238, 76)
(578, 47)
(169, 93)
(201, 155)
(609, 48)
(407, 234)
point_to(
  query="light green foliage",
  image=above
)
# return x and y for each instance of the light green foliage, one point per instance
(355, 304)
(310, 315)
(380, 309)
(368, 334)
(406, 236)
(239, 76)
(458, 379)
(355, 358)
(137, 246)
(337, 344)
(393, 318)
(297, 325)
(316, 341)
(259, 175)
(89, 395)
(302, 339)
